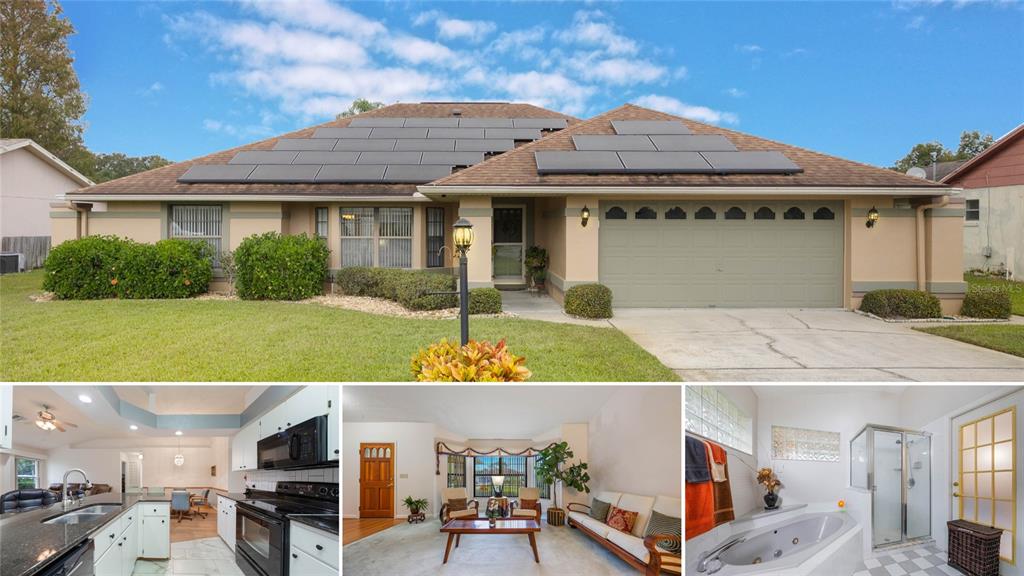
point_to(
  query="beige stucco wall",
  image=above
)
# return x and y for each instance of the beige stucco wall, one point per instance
(477, 209)
(246, 219)
(64, 225)
(27, 186)
(139, 221)
(1000, 226)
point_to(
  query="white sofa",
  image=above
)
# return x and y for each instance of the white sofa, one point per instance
(631, 547)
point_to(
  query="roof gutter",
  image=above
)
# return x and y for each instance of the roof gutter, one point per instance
(922, 260)
(93, 197)
(434, 191)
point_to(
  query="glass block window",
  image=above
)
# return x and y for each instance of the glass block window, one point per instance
(711, 414)
(615, 213)
(988, 476)
(972, 212)
(321, 222)
(803, 444)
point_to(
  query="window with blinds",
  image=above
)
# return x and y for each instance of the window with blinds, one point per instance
(435, 237)
(380, 237)
(320, 216)
(513, 468)
(456, 471)
(201, 223)
(357, 236)
(394, 245)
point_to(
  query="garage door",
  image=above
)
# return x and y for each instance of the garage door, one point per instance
(727, 254)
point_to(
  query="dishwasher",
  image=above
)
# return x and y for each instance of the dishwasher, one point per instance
(74, 562)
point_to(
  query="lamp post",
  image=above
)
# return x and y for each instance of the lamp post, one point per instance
(462, 235)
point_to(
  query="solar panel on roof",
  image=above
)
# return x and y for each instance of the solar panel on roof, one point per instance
(491, 145)
(456, 133)
(279, 173)
(452, 158)
(377, 122)
(342, 132)
(325, 157)
(751, 162)
(542, 123)
(513, 133)
(606, 142)
(692, 143)
(263, 157)
(398, 133)
(426, 144)
(665, 162)
(305, 144)
(649, 127)
(342, 173)
(485, 123)
(431, 122)
(415, 174)
(389, 158)
(218, 173)
(577, 162)
(382, 145)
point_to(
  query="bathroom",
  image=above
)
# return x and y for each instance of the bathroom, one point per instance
(863, 479)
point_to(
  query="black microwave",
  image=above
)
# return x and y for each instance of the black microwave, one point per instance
(301, 446)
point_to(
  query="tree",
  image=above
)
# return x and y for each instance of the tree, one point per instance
(41, 96)
(116, 165)
(549, 469)
(360, 105)
(922, 155)
(972, 144)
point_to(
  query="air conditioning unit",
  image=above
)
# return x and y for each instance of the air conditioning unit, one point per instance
(11, 262)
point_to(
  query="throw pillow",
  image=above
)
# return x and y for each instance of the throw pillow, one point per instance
(599, 510)
(457, 504)
(662, 524)
(622, 520)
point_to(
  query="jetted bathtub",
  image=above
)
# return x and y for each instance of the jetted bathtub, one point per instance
(797, 546)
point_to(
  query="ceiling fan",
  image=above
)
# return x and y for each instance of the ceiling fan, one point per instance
(48, 422)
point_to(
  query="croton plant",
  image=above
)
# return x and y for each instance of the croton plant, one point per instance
(477, 361)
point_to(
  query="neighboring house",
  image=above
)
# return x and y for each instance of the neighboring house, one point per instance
(30, 178)
(681, 213)
(993, 189)
(935, 171)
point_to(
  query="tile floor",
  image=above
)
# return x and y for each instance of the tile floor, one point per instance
(207, 556)
(918, 561)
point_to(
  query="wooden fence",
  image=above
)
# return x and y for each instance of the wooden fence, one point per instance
(35, 248)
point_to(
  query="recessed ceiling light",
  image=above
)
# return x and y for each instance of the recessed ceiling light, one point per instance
(178, 433)
(134, 427)
(84, 398)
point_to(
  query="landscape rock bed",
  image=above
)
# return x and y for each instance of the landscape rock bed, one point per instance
(943, 320)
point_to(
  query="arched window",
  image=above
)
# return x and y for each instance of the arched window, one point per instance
(676, 213)
(646, 213)
(735, 213)
(615, 213)
(793, 213)
(764, 213)
(824, 213)
(705, 213)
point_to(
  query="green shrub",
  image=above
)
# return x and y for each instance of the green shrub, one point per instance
(356, 281)
(589, 301)
(276, 267)
(901, 303)
(987, 303)
(110, 267)
(484, 301)
(411, 285)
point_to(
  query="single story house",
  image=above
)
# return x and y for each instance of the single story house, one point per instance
(993, 192)
(664, 210)
(30, 178)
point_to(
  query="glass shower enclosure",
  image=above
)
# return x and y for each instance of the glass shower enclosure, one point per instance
(895, 466)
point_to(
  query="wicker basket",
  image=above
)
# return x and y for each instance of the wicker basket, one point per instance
(973, 548)
(556, 516)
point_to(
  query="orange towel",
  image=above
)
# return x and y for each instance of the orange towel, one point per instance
(700, 502)
(721, 491)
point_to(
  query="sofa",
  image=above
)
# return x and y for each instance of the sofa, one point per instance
(25, 499)
(634, 548)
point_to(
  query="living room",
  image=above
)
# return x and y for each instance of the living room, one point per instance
(540, 480)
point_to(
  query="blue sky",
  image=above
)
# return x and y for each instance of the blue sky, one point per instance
(861, 80)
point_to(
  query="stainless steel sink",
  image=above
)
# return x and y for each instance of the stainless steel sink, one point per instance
(87, 514)
(100, 509)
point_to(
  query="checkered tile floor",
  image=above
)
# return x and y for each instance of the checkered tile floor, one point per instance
(919, 561)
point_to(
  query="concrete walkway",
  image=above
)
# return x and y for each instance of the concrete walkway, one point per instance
(806, 345)
(538, 306)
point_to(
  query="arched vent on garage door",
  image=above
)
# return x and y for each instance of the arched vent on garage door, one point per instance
(646, 213)
(615, 213)
(735, 213)
(793, 213)
(764, 213)
(824, 213)
(705, 213)
(676, 213)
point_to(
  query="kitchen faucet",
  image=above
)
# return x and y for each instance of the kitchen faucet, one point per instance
(708, 557)
(65, 497)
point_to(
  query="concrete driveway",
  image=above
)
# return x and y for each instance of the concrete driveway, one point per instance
(802, 345)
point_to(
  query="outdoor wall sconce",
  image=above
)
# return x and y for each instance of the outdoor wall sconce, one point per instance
(584, 216)
(872, 217)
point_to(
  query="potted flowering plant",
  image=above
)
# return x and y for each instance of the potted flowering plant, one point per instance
(771, 483)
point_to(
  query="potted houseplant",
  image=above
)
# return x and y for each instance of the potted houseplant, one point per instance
(538, 279)
(771, 483)
(417, 508)
(551, 469)
(535, 259)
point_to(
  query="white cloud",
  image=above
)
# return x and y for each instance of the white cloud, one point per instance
(615, 71)
(681, 73)
(916, 22)
(319, 15)
(594, 28)
(455, 29)
(151, 89)
(549, 90)
(419, 51)
(796, 52)
(679, 108)
(749, 48)
(735, 92)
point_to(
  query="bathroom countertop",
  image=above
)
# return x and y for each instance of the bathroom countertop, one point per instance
(27, 545)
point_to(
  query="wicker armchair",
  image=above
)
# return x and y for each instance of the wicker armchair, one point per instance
(472, 506)
(517, 511)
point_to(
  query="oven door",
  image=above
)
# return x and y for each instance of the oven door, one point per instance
(259, 543)
(302, 445)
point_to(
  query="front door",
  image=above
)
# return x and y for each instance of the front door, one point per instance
(985, 484)
(376, 480)
(509, 248)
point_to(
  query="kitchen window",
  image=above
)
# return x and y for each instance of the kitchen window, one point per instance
(513, 468)
(380, 237)
(26, 473)
(972, 213)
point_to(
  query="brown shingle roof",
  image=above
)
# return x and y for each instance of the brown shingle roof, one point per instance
(519, 168)
(164, 180)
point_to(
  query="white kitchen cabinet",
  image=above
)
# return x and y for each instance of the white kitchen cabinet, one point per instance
(116, 545)
(321, 546)
(155, 531)
(226, 521)
(333, 423)
(6, 415)
(243, 447)
(130, 551)
(301, 563)
(111, 563)
(306, 403)
(274, 421)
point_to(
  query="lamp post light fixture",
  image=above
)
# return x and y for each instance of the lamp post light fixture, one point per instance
(584, 216)
(872, 217)
(462, 236)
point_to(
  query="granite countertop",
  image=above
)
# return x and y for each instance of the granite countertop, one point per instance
(325, 522)
(27, 545)
(236, 496)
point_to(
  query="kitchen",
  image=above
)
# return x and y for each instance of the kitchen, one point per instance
(120, 480)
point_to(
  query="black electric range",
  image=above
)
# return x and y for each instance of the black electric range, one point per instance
(262, 518)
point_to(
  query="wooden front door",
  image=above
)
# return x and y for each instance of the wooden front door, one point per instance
(376, 480)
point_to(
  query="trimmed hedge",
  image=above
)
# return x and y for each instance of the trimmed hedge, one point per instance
(987, 304)
(901, 303)
(97, 267)
(484, 301)
(407, 287)
(272, 266)
(589, 301)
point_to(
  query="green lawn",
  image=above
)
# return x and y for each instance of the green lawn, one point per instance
(1016, 289)
(1002, 337)
(189, 340)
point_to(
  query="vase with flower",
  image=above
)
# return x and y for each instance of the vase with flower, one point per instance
(771, 483)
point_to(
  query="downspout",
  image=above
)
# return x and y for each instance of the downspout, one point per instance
(922, 272)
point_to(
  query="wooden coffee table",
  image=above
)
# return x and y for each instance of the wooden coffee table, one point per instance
(456, 528)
